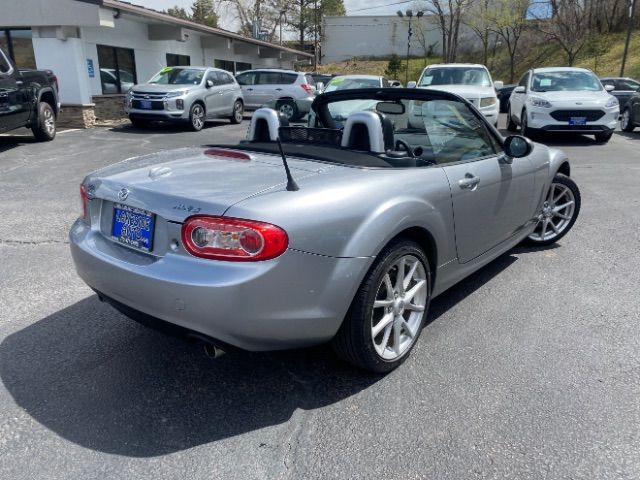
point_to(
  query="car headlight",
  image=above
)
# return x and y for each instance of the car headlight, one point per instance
(539, 102)
(178, 93)
(488, 101)
(613, 102)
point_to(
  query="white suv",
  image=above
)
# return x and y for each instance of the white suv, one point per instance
(562, 99)
(470, 81)
(292, 92)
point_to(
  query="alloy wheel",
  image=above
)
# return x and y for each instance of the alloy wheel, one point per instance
(197, 117)
(287, 110)
(49, 121)
(624, 121)
(556, 215)
(238, 112)
(398, 307)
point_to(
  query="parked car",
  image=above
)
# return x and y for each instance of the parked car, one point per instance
(623, 88)
(291, 92)
(395, 83)
(341, 235)
(503, 97)
(630, 116)
(321, 79)
(28, 98)
(189, 95)
(562, 99)
(347, 82)
(471, 81)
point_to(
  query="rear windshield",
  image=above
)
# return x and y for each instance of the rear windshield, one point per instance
(569, 80)
(178, 76)
(345, 83)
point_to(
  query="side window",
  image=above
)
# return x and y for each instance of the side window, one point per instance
(270, 78)
(226, 78)
(524, 80)
(248, 78)
(455, 133)
(5, 66)
(213, 76)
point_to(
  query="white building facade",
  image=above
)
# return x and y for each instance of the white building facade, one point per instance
(98, 48)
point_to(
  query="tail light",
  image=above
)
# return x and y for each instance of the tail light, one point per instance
(83, 199)
(307, 88)
(232, 239)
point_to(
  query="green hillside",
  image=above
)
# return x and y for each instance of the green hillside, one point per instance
(603, 56)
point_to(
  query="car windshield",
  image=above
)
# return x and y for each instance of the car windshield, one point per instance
(348, 83)
(178, 76)
(455, 76)
(565, 81)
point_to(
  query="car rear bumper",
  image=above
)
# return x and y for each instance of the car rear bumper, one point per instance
(295, 300)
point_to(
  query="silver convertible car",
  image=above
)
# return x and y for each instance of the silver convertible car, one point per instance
(340, 232)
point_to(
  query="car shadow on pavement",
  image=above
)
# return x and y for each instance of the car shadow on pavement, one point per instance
(7, 142)
(168, 128)
(106, 383)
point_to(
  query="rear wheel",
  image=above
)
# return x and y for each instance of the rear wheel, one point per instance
(238, 112)
(288, 109)
(388, 311)
(196, 117)
(45, 129)
(559, 212)
(603, 137)
(626, 122)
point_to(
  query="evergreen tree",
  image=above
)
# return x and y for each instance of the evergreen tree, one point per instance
(202, 12)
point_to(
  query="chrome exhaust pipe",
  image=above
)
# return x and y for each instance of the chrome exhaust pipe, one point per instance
(213, 351)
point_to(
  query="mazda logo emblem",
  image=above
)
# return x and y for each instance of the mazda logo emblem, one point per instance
(123, 193)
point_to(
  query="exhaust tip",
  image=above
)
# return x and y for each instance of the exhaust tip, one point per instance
(213, 351)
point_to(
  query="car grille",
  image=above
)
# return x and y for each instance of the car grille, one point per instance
(565, 115)
(148, 95)
(155, 105)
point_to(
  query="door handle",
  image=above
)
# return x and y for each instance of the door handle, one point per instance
(278, 89)
(469, 182)
(249, 89)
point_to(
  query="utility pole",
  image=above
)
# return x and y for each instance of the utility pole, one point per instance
(409, 14)
(632, 6)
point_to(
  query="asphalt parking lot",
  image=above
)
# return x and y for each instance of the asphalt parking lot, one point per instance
(529, 369)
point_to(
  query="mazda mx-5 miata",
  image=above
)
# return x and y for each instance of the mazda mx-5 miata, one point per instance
(340, 232)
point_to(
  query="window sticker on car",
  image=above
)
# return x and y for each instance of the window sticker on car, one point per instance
(166, 70)
(335, 81)
(545, 82)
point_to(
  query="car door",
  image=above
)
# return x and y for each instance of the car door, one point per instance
(213, 94)
(15, 105)
(247, 82)
(228, 92)
(491, 196)
(517, 99)
(269, 87)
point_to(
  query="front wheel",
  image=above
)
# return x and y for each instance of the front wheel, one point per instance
(45, 129)
(288, 109)
(603, 137)
(559, 212)
(626, 122)
(511, 125)
(388, 312)
(196, 117)
(238, 112)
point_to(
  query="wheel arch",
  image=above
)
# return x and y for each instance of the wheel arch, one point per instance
(46, 95)
(425, 239)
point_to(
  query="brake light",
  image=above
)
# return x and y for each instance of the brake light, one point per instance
(232, 239)
(83, 199)
(306, 87)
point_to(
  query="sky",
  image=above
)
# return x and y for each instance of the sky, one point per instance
(353, 7)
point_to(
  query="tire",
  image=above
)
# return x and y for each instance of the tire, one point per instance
(524, 125)
(237, 113)
(45, 129)
(626, 121)
(139, 122)
(356, 341)
(197, 117)
(288, 109)
(603, 137)
(511, 125)
(567, 216)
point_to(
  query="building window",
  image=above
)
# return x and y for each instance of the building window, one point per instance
(242, 66)
(224, 65)
(117, 69)
(18, 45)
(174, 60)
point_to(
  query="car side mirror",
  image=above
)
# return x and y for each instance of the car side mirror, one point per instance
(411, 84)
(209, 83)
(498, 84)
(517, 146)
(609, 88)
(519, 89)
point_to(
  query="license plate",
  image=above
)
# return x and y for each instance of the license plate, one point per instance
(146, 104)
(578, 121)
(133, 227)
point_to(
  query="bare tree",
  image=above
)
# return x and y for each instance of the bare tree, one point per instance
(255, 16)
(448, 14)
(510, 23)
(567, 27)
(480, 20)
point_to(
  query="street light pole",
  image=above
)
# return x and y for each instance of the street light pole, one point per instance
(632, 6)
(409, 14)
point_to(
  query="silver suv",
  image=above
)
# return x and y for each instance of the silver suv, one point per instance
(186, 94)
(291, 92)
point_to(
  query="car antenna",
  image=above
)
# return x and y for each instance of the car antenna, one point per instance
(292, 186)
